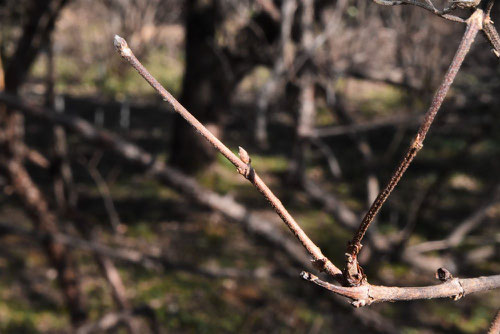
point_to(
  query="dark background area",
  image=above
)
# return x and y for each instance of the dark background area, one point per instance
(324, 95)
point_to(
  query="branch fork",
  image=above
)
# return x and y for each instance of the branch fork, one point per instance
(354, 281)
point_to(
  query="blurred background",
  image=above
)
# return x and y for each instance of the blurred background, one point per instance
(116, 217)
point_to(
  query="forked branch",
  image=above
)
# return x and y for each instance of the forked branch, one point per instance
(360, 291)
(242, 165)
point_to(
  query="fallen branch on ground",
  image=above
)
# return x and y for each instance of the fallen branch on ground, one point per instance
(172, 177)
(132, 256)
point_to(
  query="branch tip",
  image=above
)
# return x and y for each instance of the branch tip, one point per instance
(121, 46)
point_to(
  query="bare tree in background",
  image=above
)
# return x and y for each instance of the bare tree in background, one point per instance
(316, 47)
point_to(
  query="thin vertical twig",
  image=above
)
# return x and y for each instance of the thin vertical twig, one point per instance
(104, 191)
(353, 272)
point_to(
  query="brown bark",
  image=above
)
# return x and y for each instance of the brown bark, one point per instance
(367, 294)
(353, 272)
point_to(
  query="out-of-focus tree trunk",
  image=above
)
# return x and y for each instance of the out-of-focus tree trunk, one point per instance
(42, 16)
(213, 72)
(307, 108)
(204, 90)
(277, 80)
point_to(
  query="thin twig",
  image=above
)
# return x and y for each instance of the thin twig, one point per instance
(427, 6)
(331, 159)
(392, 121)
(245, 169)
(353, 272)
(34, 156)
(104, 191)
(456, 237)
(489, 30)
(489, 7)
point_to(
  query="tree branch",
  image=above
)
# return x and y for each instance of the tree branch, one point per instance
(461, 231)
(427, 6)
(367, 294)
(359, 127)
(243, 167)
(353, 273)
(489, 30)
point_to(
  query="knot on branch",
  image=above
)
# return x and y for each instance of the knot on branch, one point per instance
(445, 276)
(353, 273)
(417, 142)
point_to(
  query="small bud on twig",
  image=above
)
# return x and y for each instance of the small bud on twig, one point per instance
(122, 46)
(244, 155)
(248, 170)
